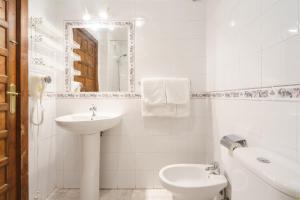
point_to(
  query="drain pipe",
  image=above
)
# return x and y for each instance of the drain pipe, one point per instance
(223, 194)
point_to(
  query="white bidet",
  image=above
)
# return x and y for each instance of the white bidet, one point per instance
(191, 182)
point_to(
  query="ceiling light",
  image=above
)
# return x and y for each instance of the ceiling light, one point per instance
(232, 23)
(139, 21)
(293, 30)
(103, 15)
(86, 16)
(111, 27)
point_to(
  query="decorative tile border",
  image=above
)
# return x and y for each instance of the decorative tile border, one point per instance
(92, 95)
(51, 95)
(68, 48)
(122, 95)
(269, 93)
(291, 92)
(200, 95)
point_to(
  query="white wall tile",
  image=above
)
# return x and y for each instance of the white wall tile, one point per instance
(279, 130)
(273, 71)
(42, 140)
(60, 179)
(122, 10)
(116, 144)
(71, 179)
(108, 179)
(298, 132)
(291, 60)
(72, 152)
(250, 69)
(156, 180)
(280, 63)
(250, 36)
(144, 179)
(43, 152)
(109, 161)
(267, 4)
(146, 9)
(260, 37)
(144, 161)
(163, 159)
(156, 126)
(249, 10)
(280, 22)
(139, 144)
(171, 43)
(270, 125)
(126, 179)
(267, 35)
(126, 161)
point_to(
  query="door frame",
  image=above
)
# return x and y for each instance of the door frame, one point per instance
(22, 102)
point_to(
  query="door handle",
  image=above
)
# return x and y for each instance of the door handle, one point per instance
(12, 93)
(13, 42)
(12, 98)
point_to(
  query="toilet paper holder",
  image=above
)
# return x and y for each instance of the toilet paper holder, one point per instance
(232, 142)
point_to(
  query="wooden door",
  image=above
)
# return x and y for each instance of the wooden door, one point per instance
(8, 117)
(88, 66)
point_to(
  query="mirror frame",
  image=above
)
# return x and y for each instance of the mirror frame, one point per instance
(130, 25)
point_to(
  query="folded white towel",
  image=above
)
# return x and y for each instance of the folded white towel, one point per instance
(178, 90)
(158, 110)
(153, 91)
(166, 97)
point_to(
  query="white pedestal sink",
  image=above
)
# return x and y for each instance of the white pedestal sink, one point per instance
(89, 127)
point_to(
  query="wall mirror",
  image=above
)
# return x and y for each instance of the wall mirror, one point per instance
(99, 56)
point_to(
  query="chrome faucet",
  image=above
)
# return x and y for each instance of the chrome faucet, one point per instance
(214, 168)
(93, 108)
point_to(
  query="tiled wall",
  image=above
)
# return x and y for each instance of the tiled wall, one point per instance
(273, 125)
(133, 152)
(171, 43)
(42, 139)
(252, 44)
(42, 153)
(249, 43)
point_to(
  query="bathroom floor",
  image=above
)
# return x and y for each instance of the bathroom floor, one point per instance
(155, 194)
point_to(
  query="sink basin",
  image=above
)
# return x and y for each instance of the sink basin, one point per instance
(84, 123)
(89, 127)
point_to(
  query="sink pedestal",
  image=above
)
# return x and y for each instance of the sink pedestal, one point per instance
(90, 167)
(89, 128)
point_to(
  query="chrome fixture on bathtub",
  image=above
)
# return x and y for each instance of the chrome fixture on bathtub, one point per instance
(232, 142)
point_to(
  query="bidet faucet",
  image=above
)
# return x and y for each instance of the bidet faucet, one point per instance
(214, 168)
(93, 108)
